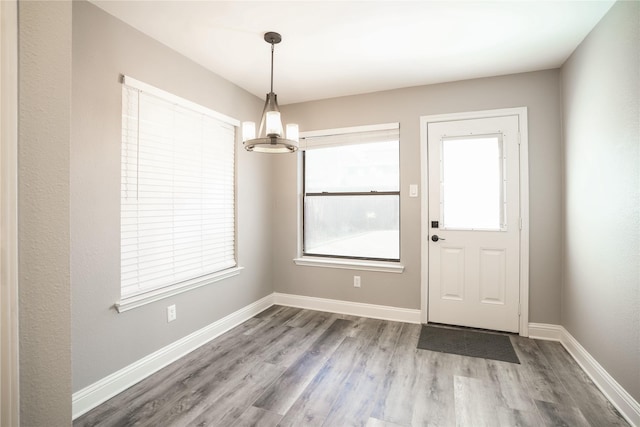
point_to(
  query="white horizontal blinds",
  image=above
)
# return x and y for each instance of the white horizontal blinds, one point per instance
(349, 136)
(177, 201)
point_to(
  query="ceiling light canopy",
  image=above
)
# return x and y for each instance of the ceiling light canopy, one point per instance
(271, 137)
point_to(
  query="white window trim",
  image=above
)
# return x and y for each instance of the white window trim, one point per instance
(348, 130)
(331, 262)
(144, 87)
(350, 264)
(139, 300)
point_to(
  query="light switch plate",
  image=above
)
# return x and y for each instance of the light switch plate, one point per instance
(413, 190)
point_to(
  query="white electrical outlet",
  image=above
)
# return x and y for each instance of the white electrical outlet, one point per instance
(356, 281)
(171, 313)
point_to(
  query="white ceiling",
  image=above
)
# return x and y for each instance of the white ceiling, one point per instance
(336, 48)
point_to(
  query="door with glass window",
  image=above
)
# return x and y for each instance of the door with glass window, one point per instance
(474, 223)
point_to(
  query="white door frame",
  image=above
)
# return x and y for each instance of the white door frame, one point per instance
(9, 340)
(521, 112)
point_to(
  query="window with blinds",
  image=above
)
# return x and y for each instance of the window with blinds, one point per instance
(177, 190)
(352, 193)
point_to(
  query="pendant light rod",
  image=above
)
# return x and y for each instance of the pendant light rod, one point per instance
(272, 49)
(272, 38)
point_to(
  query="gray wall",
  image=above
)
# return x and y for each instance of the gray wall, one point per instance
(103, 340)
(69, 135)
(601, 289)
(43, 212)
(539, 91)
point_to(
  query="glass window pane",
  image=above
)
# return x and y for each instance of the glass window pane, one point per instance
(471, 187)
(353, 168)
(353, 226)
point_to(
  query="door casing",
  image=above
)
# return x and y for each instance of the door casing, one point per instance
(521, 112)
(9, 339)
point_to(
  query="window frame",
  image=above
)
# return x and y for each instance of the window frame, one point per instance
(146, 296)
(345, 261)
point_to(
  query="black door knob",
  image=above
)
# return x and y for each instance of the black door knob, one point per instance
(435, 238)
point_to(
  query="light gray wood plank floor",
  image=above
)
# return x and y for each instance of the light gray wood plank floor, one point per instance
(293, 367)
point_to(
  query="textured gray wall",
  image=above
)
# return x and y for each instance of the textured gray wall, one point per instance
(601, 290)
(539, 91)
(69, 191)
(43, 212)
(103, 340)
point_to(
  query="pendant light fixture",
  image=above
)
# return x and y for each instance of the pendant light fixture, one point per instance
(271, 137)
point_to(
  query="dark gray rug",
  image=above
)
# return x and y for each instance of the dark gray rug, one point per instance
(466, 342)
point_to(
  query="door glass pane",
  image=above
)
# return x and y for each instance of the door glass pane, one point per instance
(353, 226)
(472, 183)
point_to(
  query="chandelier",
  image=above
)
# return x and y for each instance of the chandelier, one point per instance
(271, 137)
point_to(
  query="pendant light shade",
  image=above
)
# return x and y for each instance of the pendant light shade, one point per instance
(271, 138)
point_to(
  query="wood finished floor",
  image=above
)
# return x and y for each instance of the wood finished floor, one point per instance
(293, 367)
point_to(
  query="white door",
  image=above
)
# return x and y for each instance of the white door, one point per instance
(474, 223)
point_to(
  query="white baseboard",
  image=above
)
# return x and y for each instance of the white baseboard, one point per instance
(617, 395)
(383, 312)
(621, 399)
(89, 397)
(545, 331)
(104, 389)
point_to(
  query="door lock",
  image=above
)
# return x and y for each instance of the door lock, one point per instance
(435, 238)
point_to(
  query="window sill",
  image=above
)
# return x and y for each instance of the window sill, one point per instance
(352, 264)
(139, 300)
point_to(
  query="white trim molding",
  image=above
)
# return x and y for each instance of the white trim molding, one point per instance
(89, 397)
(617, 395)
(521, 113)
(352, 264)
(152, 90)
(545, 331)
(384, 312)
(9, 339)
(351, 129)
(134, 301)
(93, 395)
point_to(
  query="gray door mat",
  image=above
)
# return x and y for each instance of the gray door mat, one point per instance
(467, 342)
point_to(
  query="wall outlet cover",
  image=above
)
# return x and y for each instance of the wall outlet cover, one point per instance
(171, 313)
